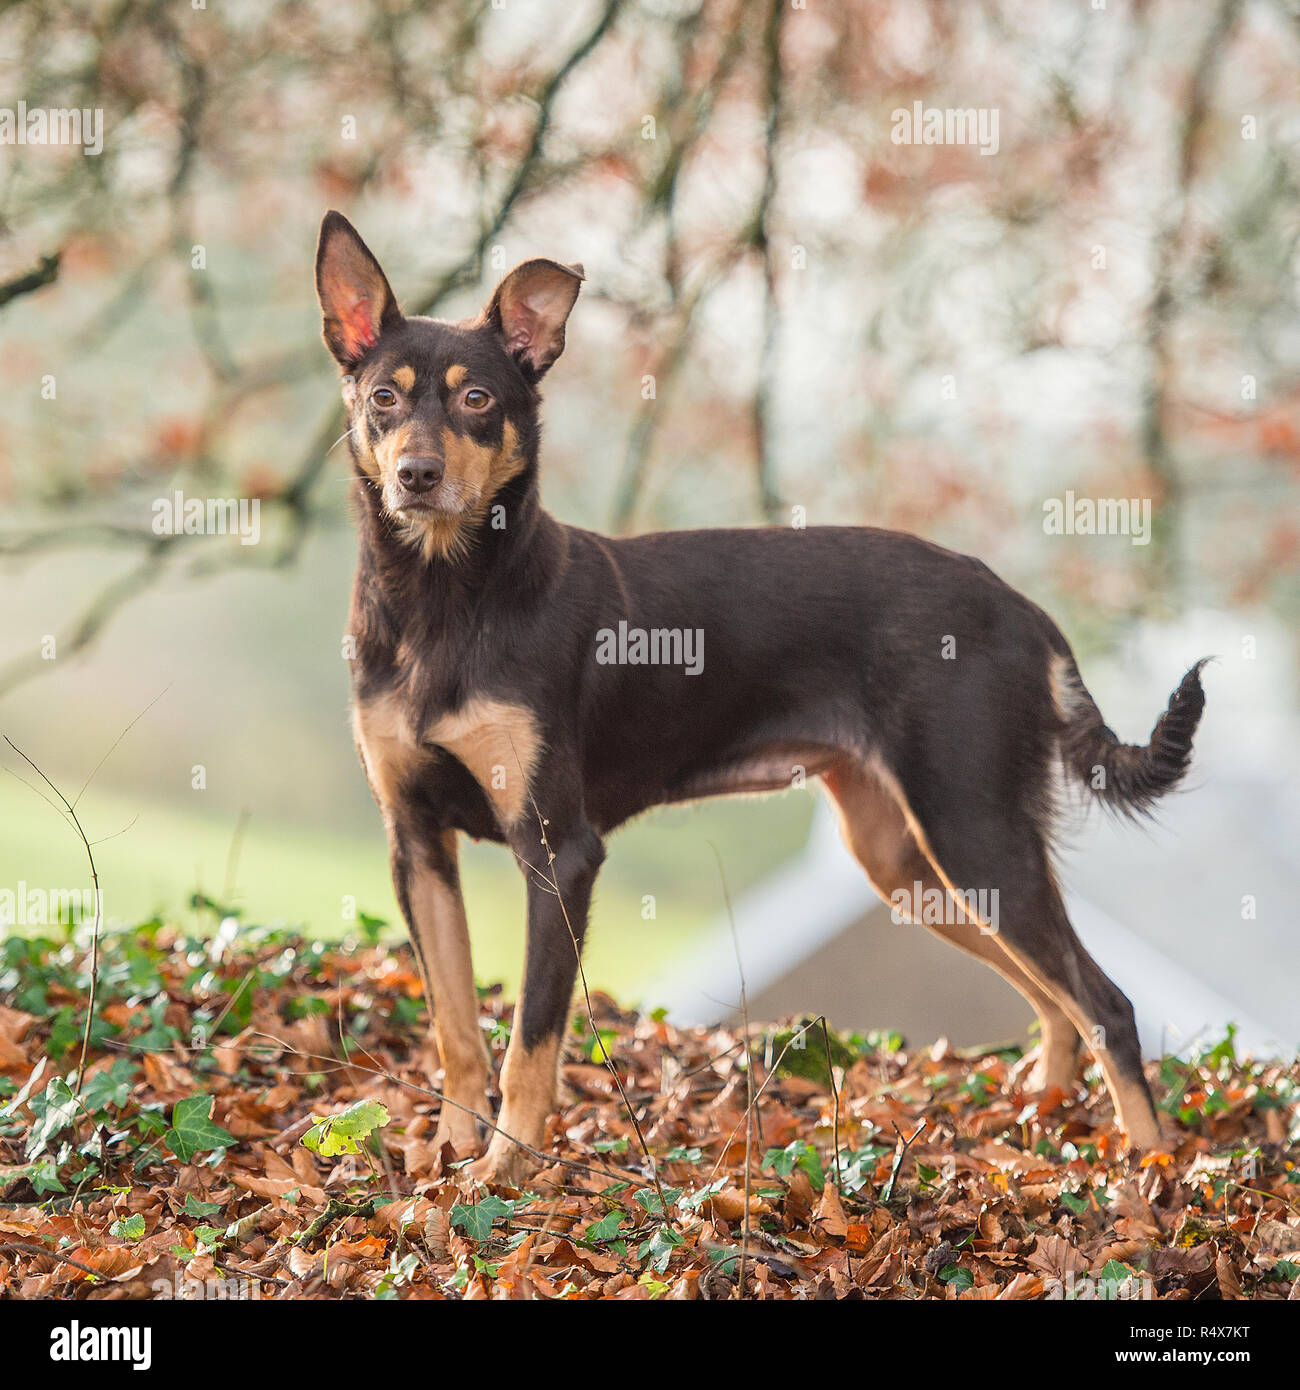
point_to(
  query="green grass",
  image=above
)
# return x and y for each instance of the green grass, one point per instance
(153, 854)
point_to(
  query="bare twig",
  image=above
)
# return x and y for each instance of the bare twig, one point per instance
(228, 888)
(94, 934)
(113, 747)
(148, 572)
(1164, 300)
(780, 1057)
(586, 995)
(486, 1120)
(835, 1101)
(750, 1099)
(768, 498)
(32, 1249)
(46, 272)
(900, 1153)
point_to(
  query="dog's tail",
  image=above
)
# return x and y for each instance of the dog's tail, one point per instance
(1125, 777)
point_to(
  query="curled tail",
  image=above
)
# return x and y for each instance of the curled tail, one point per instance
(1126, 777)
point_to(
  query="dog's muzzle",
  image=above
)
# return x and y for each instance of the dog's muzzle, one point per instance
(418, 474)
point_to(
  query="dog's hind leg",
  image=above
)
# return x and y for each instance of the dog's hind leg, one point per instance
(980, 840)
(875, 829)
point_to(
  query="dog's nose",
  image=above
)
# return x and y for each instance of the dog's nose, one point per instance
(419, 474)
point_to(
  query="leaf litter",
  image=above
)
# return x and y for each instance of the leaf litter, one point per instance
(258, 1114)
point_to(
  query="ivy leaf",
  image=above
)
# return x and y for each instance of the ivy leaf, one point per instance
(1115, 1272)
(604, 1229)
(193, 1207)
(475, 1220)
(958, 1276)
(129, 1228)
(659, 1248)
(44, 1176)
(682, 1154)
(55, 1109)
(110, 1087)
(338, 1134)
(798, 1153)
(193, 1131)
(648, 1199)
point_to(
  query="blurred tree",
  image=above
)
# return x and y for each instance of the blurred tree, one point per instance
(814, 314)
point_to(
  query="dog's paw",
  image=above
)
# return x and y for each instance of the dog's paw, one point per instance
(460, 1130)
(1151, 1136)
(504, 1165)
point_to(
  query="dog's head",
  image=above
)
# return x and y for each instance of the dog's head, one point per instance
(441, 416)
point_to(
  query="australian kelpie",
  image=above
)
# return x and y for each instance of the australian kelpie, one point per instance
(520, 680)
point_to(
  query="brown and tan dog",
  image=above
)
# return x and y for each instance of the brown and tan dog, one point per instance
(536, 684)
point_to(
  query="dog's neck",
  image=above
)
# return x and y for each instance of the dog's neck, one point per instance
(509, 553)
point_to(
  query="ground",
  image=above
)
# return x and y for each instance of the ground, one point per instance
(256, 1110)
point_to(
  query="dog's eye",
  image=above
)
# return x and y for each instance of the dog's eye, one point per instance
(382, 396)
(476, 399)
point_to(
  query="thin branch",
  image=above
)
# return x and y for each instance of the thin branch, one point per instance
(147, 573)
(835, 1102)
(750, 1099)
(94, 935)
(780, 1057)
(228, 888)
(33, 1249)
(1164, 305)
(768, 499)
(900, 1153)
(443, 1099)
(118, 740)
(46, 272)
(586, 994)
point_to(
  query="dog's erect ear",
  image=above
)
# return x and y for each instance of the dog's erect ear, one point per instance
(529, 310)
(354, 294)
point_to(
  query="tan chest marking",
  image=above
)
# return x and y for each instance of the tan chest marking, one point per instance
(387, 746)
(498, 742)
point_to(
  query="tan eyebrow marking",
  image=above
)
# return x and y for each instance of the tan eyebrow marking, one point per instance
(456, 373)
(405, 377)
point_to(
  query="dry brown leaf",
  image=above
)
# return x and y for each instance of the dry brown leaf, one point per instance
(277, 1187)
(1022, 1286)
(1055, 1257)
(829, 1219)
(1226, 1275)
(729, 1204)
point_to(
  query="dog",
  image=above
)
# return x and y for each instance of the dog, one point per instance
(535, 684)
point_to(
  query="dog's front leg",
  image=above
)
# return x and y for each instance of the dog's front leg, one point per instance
(427, 882)
(560, 867)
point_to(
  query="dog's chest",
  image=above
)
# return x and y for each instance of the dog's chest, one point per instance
(496, 740)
